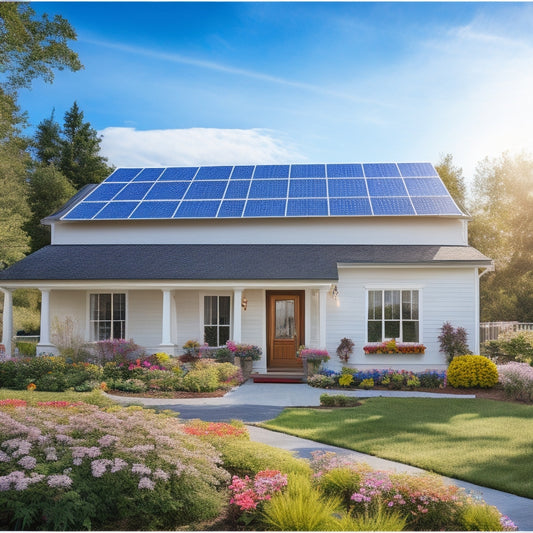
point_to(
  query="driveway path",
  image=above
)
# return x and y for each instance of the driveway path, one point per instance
(257, 402)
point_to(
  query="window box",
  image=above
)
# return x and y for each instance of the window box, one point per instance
(393, 347)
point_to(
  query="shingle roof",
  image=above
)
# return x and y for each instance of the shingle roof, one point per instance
(223, 262)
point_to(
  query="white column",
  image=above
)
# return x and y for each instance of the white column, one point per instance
(322, 295)
(166, 322)
(237, 315)
(7, 321)
(44, 341)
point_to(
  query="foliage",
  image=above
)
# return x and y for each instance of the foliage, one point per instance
(118, 350)
(244, 351)
(502, 210)
(340, 481)
(453, 341)
(367, 383)
(453, 178)
(95, 397)
(472, 371)
(510, 346)
(242, 457)
(345, 349)
(380, 520)
(345, 380)
(312, 354)
(391, 347)
(301, 507)
(478, 516)
(224, 355)
(49, 189)
(338, 400)
(201, 379)
(320, 381)
(27, 349)
(517, 381)
(97, 469)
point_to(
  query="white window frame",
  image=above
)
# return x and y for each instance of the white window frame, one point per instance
(394, 287)
(202, 306)
(89, 328)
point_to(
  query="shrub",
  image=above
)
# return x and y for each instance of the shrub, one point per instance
(517, 380)
(345, 349)
(453, 341)
(244, 351)
(242, 457)
(341, 482)
(510, 346)
(432, 379)
(472, 371)
(345, 380)
(118, 350)
(301, 507)
(338, 400)
(381, 519)
(320, 381)
(201, 379)
(478, 516)
(28, 349)
(229, 375)
(118, 469)
(224, 355)
(128, 385)
(367, 384)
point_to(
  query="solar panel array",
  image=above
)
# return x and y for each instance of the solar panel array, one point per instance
(371, 189)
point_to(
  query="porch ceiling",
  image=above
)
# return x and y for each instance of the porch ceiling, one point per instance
(223, 262)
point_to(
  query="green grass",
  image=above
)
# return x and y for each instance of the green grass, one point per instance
(485, 442)
(95, 397)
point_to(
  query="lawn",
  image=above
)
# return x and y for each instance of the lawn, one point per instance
(485, 442)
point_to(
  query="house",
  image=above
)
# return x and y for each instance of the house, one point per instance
(273, 255)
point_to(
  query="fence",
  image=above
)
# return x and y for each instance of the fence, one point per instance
(489, 331)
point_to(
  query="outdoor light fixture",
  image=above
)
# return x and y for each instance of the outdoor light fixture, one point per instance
(334, 292)
(244, 303)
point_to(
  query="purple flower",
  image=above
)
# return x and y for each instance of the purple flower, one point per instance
(99, 466)
(146, 483)
(141, 469)
(59, 480)
(28, 462)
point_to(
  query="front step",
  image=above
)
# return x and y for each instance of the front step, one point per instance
(279, 377)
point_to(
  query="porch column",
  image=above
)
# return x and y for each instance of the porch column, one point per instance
(7, 321)
(322, 301)
(166, 340)
(44, 340)
(237, 314)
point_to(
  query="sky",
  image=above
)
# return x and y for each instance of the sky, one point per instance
(189, 83)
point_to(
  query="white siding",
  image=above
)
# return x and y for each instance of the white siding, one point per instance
(446, 294)
(70, 304)
(188, 322)
(378, 230)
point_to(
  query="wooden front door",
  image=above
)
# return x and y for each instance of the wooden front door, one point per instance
(285, 328)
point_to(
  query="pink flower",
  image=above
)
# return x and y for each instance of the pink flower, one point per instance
(59, 480)
(146, 483)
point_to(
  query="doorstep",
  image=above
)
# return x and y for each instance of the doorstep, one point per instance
(278, 377)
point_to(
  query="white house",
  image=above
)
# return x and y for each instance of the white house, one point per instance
(273, 255)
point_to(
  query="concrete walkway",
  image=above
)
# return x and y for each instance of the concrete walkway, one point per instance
(255, 402)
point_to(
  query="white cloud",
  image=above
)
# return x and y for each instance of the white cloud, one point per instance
(194, 146)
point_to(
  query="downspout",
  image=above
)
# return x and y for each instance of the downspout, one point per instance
(490, 268)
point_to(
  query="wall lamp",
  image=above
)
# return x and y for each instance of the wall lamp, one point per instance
(244, 303)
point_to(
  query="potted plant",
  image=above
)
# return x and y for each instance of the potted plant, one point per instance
(312, 358)
(245, 355)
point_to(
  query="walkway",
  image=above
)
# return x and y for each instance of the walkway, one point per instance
(257, 402)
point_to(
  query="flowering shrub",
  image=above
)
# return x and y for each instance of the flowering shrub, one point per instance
(119, 350)
(248, 493)
(472, 371)
(313, 354)
(517, 380)
(138, 470)
(367, 384)
(345, 380)
(244, 351)
(424, 500)
(391, 347)
(321, 381)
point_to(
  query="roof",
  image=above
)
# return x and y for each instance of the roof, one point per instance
(259, 191)
(224, 262)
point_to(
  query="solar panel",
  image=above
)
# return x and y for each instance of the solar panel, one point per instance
(303, 190)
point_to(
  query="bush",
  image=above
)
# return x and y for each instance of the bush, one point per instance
(453, 341)
(128, 385)
(224, 355)
(510, 346)
(480, 517)
(118, 350)
(338, 400)
(201, 378)
(341, 481)
(28, 349)
(117, 469)
(301, 507)
(380, 520)
(517, 381)
(320, 381)
(229, 375)
(472, 371)
(431, 379)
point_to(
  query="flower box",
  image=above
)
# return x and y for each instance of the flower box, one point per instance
(393, 347)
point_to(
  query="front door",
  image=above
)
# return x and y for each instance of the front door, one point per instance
(285, 328)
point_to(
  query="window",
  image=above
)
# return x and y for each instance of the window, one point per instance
(107, 316)
(393, 314)
(217, 313)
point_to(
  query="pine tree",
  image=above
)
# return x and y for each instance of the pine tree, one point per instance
(47, 143)
(80, 159)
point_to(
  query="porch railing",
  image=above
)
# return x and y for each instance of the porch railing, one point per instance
(489, 331)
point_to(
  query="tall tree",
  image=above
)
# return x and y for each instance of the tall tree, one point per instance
(47, 142)
(49, 190)
(452, 177)
(30, 47)
(81, 161)
(502, 228)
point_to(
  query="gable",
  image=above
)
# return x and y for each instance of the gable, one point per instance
(266, 191)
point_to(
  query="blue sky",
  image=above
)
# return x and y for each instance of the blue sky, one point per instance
(175, 83)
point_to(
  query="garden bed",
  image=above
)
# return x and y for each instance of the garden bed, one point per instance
(169, 394)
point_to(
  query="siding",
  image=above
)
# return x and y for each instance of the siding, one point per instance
(144, 317)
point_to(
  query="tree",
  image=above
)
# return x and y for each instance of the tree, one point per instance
(33, 48)
(47, 141)
(49, 190)
(80, 159)
(452, 177)
(502, 228)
